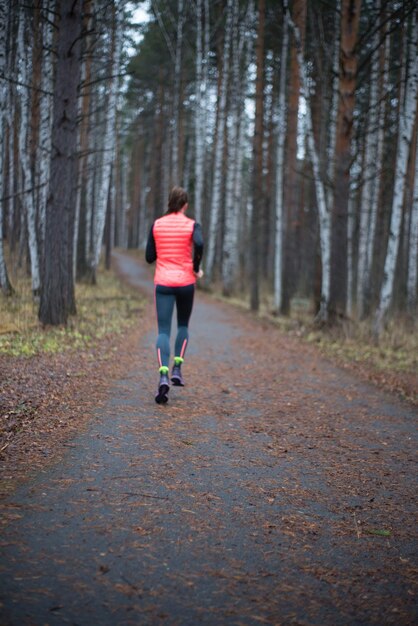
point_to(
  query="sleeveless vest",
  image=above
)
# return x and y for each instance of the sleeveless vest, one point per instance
(173, 236)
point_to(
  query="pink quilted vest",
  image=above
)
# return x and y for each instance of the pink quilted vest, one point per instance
(173, 236)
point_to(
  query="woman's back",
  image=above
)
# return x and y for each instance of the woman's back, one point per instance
(173, 235)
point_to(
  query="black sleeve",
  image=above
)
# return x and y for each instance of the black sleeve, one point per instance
(150, 250)
(198, 246)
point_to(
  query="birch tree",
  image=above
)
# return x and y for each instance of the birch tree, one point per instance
(109, 142)
(235, 138)
(365, 246)
(44, 147)
(24, 155)
(280, 163)
(176, 100)
(406, 123)
(219, 145)
(257, 196)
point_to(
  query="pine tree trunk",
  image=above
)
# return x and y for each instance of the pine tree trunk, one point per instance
(412, 300)
(292, 187)
(57, 294)
(332, 124)
(85, 175)
(383, 104)
(350, 18)
(324, 215)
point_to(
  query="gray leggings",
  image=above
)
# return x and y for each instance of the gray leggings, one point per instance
(165, 297)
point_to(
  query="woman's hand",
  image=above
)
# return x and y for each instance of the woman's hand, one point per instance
(199, 274)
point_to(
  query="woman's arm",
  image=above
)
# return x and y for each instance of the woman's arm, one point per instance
(151, 250)
(198, 247)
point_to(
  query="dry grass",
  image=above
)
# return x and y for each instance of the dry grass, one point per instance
(102, 309)
(393, 362)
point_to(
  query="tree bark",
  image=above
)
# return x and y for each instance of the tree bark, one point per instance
(199, 118)
(5, 283)
(219, 146)
(324, 214)
(406, 124)
(413, 241)
(230, 252)
(44, 148)
(109, 142)
(24, 157)
(57, 294)
(350, 18)
(292, 187)
(280, 164)
(176, 99)
(257, 210)
(369, 191)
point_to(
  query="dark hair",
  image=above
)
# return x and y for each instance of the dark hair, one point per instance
(177, 199)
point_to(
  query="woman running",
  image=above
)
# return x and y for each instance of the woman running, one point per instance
(176, 243)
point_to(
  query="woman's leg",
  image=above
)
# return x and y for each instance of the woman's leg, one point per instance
(184, 302)
(164, 304)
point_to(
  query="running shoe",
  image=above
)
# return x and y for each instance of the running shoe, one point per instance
(163, 389)
(176, 377)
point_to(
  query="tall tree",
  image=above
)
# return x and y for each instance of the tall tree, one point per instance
(241, 56)
(176, 100)
(5, 283)
(28, 182)
(323, 210)
(219, 144)
(374, 177)
(292, 186)
(257, 190)
(280, 163)
(200, 116)
(109, 142)
(406, 125)
(413, 239)
(350, 17)
(57, 293)
(45, 124)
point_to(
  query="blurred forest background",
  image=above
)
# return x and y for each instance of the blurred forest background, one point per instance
(293, 126)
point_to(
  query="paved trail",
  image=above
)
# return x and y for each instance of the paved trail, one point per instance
(253, 497)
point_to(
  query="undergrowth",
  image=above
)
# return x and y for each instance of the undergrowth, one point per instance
(103, 309)
(350, 341)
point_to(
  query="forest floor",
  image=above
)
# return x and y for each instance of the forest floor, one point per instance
(275, 488)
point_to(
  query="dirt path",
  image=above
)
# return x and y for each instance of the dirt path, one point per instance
(272, 489)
